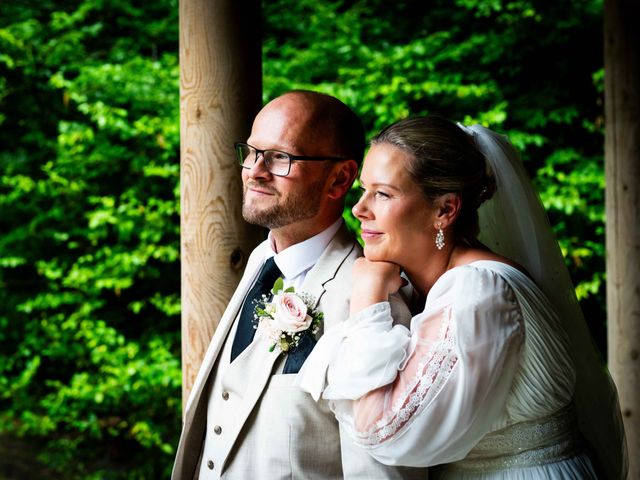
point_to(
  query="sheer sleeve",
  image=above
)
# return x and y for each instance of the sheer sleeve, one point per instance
(428, 395)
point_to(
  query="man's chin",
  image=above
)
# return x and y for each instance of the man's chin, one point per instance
(262, 218)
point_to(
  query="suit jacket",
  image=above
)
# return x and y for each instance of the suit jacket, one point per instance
(278, 430)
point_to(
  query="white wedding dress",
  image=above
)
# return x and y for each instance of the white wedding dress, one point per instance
(497, 375)
(483, 382)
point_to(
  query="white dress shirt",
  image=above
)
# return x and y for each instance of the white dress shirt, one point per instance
(294, 262)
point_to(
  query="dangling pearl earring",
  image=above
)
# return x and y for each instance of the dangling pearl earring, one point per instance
(439, 237)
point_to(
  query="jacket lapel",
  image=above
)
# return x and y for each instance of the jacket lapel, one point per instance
(324, 272)
(195, 417)
(222, 330)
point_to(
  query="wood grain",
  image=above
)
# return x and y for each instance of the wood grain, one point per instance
(622, 166)
(220, 93)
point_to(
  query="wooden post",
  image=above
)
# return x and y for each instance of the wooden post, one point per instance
(622, 162)
(220, 93)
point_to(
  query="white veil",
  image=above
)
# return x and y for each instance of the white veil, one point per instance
(514, 223)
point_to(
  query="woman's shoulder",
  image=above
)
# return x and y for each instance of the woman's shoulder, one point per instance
(479, 294)
(484, 276)
(477, 257)
(475, 262)
(479, 277)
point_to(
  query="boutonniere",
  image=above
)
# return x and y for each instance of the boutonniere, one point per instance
(287, 317)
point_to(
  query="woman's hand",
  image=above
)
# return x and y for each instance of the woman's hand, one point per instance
(373, 282)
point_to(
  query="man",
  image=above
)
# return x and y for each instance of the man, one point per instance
(244, 418)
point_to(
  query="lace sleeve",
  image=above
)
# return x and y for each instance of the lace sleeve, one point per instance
(450, 385)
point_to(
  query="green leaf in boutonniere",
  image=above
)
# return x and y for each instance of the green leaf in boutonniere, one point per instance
(277, 286)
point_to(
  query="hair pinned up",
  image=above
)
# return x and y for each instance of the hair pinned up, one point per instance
(445, 159)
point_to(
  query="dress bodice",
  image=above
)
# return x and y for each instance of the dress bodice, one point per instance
(484, 367)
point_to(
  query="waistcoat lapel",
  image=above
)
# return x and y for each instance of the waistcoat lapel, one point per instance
(246, 378)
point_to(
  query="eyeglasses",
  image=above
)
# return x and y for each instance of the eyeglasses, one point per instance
(275, 161)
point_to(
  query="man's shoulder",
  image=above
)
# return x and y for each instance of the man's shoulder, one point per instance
(258, 253)
(337, 259)
(344, 242)
(331, 274)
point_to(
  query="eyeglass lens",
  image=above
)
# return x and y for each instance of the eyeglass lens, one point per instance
(276, 162)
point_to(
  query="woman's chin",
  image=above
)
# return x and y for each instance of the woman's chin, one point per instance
(374, 254)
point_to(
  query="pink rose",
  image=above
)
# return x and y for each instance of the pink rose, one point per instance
(291, 313)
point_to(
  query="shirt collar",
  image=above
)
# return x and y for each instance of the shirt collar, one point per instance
(298, 258)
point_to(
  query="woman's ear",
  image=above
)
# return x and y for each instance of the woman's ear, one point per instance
(449, 206)
(341, 178)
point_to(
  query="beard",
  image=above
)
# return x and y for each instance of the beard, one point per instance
(289, 209)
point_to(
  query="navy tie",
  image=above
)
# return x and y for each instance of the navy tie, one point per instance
(298, 355)
(245, 332)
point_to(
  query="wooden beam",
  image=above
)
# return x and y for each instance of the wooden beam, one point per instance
(220, 93)
(622, 165)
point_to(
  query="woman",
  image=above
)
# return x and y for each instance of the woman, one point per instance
(486, 384)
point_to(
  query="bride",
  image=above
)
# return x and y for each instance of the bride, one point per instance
(497, 376)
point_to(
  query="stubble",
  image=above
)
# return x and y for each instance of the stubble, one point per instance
(292, 208)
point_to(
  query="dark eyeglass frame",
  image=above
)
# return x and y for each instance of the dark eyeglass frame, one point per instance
(292, 157)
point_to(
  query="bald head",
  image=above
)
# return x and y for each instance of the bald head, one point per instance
(309, 198)
(322, 121)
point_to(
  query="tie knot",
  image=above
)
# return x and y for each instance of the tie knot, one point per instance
(269, 273)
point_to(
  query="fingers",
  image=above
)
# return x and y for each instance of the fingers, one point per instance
(378, 276)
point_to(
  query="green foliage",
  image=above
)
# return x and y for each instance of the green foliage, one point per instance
(89, 324)
(89, 133)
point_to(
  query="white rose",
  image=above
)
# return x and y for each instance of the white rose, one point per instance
(291, 313)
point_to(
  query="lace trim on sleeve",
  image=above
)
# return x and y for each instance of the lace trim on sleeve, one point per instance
(433, 368)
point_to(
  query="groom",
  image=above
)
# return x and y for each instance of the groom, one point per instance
(244, 418)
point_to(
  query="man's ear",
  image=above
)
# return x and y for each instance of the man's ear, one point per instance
(341, 178)
(449, 206)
